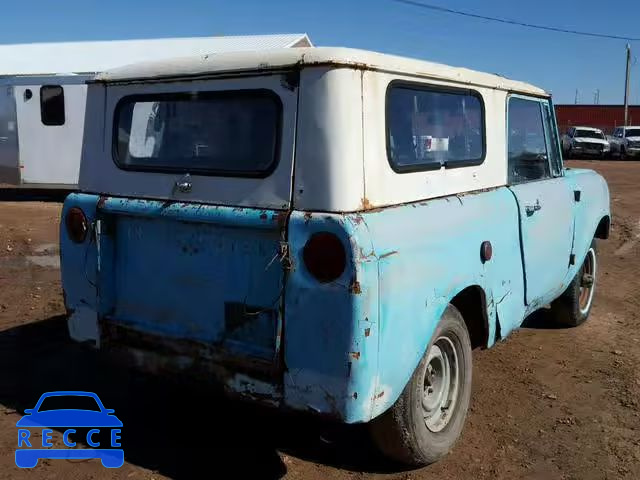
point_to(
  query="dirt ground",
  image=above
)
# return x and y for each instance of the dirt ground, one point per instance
(547, 403)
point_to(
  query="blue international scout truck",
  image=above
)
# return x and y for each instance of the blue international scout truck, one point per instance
(326, 230)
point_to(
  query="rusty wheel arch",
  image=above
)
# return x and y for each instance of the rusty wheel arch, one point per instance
(472, 304)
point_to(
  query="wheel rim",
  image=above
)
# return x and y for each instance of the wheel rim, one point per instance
(587, 281)
(441, 384)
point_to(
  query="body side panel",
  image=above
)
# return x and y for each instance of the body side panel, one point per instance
(384, 187)
(328, 169)
(427, 253)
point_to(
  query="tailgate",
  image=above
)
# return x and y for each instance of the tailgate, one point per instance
(197, 274)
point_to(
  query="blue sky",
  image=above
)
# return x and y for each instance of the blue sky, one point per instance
(558, 62)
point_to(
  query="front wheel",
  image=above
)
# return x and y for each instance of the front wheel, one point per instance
(428, 417)
(573, 307)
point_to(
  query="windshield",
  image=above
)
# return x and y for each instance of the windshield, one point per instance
(69, 402)
(589, 134)
(633, 132)
(226, 133)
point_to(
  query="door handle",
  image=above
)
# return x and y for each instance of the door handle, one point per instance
(531, 209)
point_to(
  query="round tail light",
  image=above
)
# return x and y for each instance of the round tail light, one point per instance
(77, 225)
(324, 257)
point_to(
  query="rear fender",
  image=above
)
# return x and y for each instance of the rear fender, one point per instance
(590, 209)
(331, 329)
(78, 266)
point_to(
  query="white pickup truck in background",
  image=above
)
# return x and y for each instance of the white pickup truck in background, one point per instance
(625, 142)
(585, 141)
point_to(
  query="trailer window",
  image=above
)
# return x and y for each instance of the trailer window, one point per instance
(430, 127)
(234, 133)
(52, 105)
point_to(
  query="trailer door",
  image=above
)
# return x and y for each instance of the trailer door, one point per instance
(51, 121)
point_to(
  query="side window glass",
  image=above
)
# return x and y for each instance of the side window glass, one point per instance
(527, 144)
(428, 127)
(551, 132)
(52, 105)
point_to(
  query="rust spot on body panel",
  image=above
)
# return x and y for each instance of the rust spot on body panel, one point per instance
(365, 204)
(355, 287)
(281, 218)
(357, 219)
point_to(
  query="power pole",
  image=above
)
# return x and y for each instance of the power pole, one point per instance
(576, 99)
(626, 86)
(596, 96)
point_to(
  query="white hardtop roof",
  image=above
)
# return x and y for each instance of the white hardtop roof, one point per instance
(593, 129)
(631, 126)
(281, 58)
(95, 57)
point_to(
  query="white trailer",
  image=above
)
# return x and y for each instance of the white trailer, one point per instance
(43, 96)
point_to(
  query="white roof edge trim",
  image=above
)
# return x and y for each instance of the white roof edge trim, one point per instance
(280, 58)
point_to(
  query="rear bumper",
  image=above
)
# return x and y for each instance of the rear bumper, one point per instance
(246, 379)
(252, 379)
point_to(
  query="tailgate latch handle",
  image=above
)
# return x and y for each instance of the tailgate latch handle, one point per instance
(184, 185)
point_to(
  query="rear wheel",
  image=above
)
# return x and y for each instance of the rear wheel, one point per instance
(573, 307)
(427, 419)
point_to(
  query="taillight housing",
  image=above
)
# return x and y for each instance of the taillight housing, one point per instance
(77, 224)
(325, 257)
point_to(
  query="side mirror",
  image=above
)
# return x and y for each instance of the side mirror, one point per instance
(28, 411)
(109, 411)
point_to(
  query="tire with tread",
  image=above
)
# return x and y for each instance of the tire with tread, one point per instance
(568, 309)
(401, 433)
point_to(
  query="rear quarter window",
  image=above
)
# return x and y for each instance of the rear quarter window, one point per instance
(230, 133)
(430, 127)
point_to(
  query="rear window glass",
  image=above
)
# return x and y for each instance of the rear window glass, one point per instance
(429, 127)
(215, 133)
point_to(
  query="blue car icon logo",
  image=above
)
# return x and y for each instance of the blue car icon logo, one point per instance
(69, 410)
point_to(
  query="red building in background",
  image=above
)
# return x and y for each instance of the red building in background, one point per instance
(605, 117)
